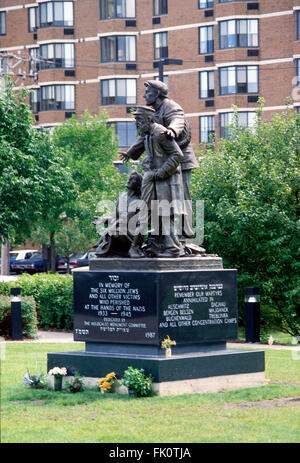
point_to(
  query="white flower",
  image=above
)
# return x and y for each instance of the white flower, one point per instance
(58, 371)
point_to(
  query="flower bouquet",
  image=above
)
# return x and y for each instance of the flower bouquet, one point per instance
(35, 381)
(166, 344)
(106, 384)
(58, 374)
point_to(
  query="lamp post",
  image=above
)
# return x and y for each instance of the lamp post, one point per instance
(16, 316)
(252, 310)
(164, 62)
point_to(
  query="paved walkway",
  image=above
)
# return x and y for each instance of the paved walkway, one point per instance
(61, 336)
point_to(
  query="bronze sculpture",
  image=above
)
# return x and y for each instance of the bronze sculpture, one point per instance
(117, 239)
(169, 114)
(164, 196)
(162, 181)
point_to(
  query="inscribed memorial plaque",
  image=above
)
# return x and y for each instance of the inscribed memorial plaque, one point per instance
(143, 307)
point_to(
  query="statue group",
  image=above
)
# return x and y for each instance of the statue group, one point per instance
(154, 217)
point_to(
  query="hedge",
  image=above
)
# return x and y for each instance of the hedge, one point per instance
(29, 316)
(53, 295)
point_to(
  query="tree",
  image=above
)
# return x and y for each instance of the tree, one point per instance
(70, 239)
(35, 183)
(19, 168)
(90, 149)
(250, 186)
(60, 196)
(31, 173)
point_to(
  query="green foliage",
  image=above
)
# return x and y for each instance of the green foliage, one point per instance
(53, 295)
(70, 239)
(75, 384)
(33, 181)
(136, 381)
(250, 184)
(28, 312)
(90, 149)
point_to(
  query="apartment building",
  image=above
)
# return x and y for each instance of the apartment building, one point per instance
(97, 54)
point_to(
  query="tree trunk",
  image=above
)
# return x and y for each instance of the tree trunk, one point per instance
(46, 255)
(68, 264)
(52, 253)
(5, 261)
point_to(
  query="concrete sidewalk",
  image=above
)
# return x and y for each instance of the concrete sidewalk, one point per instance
(47, 336)
(54, 336)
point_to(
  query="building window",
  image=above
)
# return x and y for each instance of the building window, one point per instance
(298, 25)
(297, 78)
(3, 66)
(57, 97)
(227, 1)
(207, 84)
(118, 91)
(238, 79)
(126, 132)
(35, 101)
(165, 79)
(206, 39)
(246, 119)
(207, 128)
(160, 7)
(110, 9)
(34, 61)
(56, 55)
(161, 45)
(56, 14)
(118, 48)
(239, 33)
(33, 19)
(2, 23)
(205, 4)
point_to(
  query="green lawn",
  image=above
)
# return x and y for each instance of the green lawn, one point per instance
(44, 416)
(278, 336)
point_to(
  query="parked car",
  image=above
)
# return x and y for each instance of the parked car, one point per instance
(85, 259)
(34, 264)
(76, 260)
(23, 254)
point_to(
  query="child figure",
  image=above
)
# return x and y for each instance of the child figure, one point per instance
(146, 196)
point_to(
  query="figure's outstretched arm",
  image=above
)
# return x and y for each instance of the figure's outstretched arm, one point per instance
(136, 149)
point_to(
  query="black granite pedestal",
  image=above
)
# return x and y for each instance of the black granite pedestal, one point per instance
(124, 308)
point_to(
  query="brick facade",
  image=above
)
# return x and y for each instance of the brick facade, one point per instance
(275, 55)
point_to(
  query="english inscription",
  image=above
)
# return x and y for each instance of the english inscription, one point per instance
(142, 308)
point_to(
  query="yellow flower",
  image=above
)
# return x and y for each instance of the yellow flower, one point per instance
(106, 386)
(166, 343)
(111, 375)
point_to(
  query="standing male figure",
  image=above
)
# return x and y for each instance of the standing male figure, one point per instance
(162, 187)
(169, 114)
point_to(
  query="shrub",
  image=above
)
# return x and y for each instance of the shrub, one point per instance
(29, 316)
(53, 295)
(250, 185)
(136, 382)
(75, 384)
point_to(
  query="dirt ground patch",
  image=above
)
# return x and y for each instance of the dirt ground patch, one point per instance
(284, 402)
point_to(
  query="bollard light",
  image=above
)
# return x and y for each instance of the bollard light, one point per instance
(16, 315)
(252, 311)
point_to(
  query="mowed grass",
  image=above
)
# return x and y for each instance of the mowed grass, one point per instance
(251, 415)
